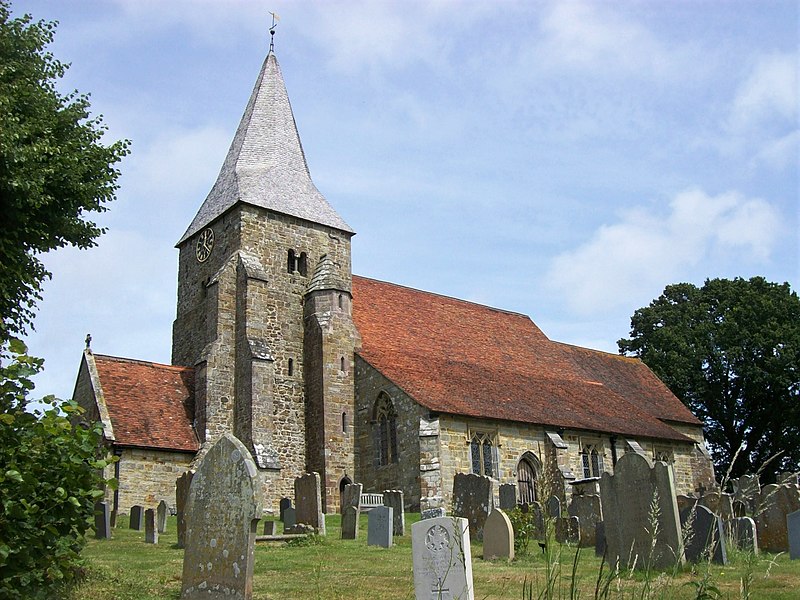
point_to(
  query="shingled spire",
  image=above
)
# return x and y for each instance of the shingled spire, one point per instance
(265, 165)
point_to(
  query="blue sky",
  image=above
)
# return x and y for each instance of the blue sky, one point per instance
(566, 160)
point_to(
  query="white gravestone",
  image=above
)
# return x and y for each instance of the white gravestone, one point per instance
(442, 560)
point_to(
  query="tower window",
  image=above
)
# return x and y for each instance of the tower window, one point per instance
(291, 366)
(344, 422)
(291, 263)
(341, 301)
(343, 365)
(297, 263)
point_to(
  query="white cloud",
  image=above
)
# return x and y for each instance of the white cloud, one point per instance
(636, 257)
(770, 92)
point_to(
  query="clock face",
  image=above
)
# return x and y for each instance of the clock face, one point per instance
(205, 243)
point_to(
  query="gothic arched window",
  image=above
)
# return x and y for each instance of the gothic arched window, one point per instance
(527, 474)
(384, 427)
(483, 454)
(591, 461)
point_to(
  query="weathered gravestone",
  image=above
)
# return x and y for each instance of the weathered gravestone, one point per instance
(351, 496)
(379, 526)
(793, 529)
(498, 536)
(553, 507)
(773, 504)
(270, 528)
(182, 485)
(442, 562)
(719, 504)
(707, 539)
(600, 539)
(508, 496)
(102, 521)
(745, 491)
(137, 517)
(350, 522)
(394, 499)
(222, 514)
(587, 509)
(685, 502)
(308, 502)
(789, 477)
(433, 513)
(150, 527)
(161, 517)
(473, 499)
(284, 504)
(568, 530)
(637, 494)
(289, 519)
(741, 532)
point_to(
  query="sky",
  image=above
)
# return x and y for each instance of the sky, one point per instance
(565, 160)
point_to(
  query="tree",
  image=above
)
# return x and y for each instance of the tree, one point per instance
(730, 351)
(54, 170)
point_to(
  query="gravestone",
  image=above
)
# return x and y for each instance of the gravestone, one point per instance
(707, 540)
(793, 529)
(284, 504)
(637, 493)
(351, 496)
(568, 530)
(789, 477)
(113, 518)
(379, 526)
(473, 499)
(508, 496)
(102, 521)
(161, 517)
(498, 536)
(394, 499)
(181, 496)
(587, 509)
(222, 514)
(137, 517)
(308, 501)
(433, 513)
(773, 504)
(442, 562)
(150, 527)
(554, 507)
(685, 502)
(719, 504)
(289, 518)
(741, 531)
(599, 539)
(746, 490)
(350, 522)
(270, 528)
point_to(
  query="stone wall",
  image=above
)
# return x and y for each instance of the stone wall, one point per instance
(146, 477)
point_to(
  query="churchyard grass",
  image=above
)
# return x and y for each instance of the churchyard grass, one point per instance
(125, 568)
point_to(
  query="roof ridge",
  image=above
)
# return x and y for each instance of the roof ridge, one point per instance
(141, 362)
(597, 351)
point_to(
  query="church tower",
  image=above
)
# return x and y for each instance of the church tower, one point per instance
(264, 306)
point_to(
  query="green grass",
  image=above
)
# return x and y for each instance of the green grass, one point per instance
(125, 568)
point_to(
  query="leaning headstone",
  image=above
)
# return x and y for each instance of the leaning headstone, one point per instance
(637, 494)
(284, 504)
(553, 507)
(350, 522)
(137, 517)
(308, 501)
(289, 519)
(433, 513)
(498, 536)
(182, 486)
(150, 527)
(707, 539)
(394, 499)
(102, 521)
(161, 517)
(793, 529)
(379, 527)
(508, 496)
(473, 499)
(587, 509)
(741, 532)
(351, 496)
(270, 528)
(773, 504)
(442, 561)
(221, 518)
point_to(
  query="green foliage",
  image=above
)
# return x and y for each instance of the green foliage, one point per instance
(730, 350)
(53, 167)
(50, 478)
(524, 525)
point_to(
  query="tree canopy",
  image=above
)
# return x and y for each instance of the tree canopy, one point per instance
(730, 350)
(54, 168)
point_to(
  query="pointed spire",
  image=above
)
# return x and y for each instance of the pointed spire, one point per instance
(265, 165)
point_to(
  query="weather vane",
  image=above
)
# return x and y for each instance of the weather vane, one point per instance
(275, 19)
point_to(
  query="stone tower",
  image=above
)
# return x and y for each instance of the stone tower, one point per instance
(264, 306)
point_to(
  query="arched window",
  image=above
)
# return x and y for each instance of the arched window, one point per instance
(291, 262)
(291, 366)
(483, 454)
(591, 461)
(344, 422)
(527, 475)
(384, 427)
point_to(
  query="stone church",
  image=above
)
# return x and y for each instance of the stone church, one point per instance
(316, 369)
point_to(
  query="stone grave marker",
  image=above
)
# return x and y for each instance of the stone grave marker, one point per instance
(137, 517)
(793, 529)
(284, 504)
(289, 519)
(741, 531)
(708, 536)
(350, 522)
(473, 499)
(442, 562)
(627, 496)
(508, 496)
(270, 528)
(308, 502)
(379, 527)
(351, 496)
(789, 477)
(773, 504)
(161, 517)
(599, 538)
(685, 502)
(568, 530)
(588, 510)
(554, 507)
(102, 521)
(433, 513)
(150, 527)
(182, 485)
(746, 490)
(498, 536)
(222, 514)
(719, 504)
(394, 499)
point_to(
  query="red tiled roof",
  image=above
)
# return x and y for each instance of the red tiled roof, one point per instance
(453, 356)
(150, 405)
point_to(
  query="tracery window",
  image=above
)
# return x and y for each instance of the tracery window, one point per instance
(384, 423)
(483, 454)
(663, 455)
(591, 461)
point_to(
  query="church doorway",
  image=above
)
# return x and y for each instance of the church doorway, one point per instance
(527, 476)
(345, 481)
